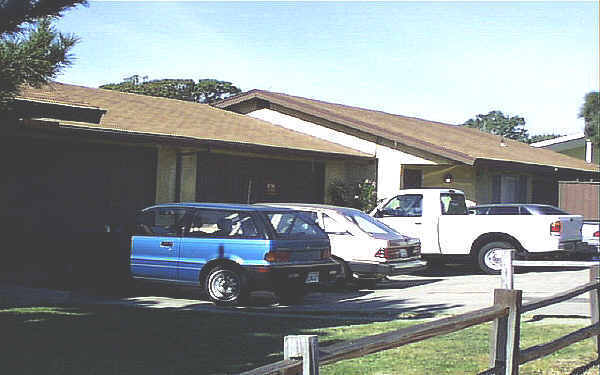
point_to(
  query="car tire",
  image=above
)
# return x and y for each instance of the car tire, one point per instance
(291, 294)
(488, 257)
(346, 273)
(226, 286)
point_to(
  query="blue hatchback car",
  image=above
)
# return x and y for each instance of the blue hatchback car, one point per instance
(230, 250)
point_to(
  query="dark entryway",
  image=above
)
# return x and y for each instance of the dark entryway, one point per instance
(226, 178)
(59, 186)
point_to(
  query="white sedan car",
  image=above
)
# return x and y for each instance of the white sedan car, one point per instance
(367, 249)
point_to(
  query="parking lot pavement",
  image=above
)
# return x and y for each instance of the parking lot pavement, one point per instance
(449, 290)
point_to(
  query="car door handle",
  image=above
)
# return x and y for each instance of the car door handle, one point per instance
(166, 244)
(417, 223)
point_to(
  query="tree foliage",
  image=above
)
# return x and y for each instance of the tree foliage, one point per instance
(590, 112)
(542, 137)
(203, 91)
(17, 14)
(497, 123)
(31, 50)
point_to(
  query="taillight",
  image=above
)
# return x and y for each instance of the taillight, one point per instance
(555, 227)
(597, 233)
(387, 253)
(326, 253)
(277, 256)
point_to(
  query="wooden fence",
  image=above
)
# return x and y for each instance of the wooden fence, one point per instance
(302, 354)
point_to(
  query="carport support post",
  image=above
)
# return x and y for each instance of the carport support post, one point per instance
(305, 347)
(506, 332)
(594, 306)
(508, 270)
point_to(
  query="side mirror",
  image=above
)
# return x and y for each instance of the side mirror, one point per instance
(378, 213)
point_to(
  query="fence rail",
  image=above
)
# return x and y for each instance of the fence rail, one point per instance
(303, 356)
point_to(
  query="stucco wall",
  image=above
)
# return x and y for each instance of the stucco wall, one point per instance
(464, 178)
(188, 177)
(389, 160)
(165, 174)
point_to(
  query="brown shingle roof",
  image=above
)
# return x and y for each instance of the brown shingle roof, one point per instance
(454, 142)
(161, 116)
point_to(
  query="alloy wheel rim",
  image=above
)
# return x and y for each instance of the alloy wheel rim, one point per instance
(224, 285)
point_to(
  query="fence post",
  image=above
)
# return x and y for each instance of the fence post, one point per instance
(507, 272)
(506, 333)
(594, 306)
(305, 347)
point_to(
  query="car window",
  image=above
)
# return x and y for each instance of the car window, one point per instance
(453, 204)
(222, 224)
(504, 210)
(481, 210)
(408, 205)
(548, 210)
(331, 226)
(524, 210)
(294, 225)
(368, 224)
(160, 222)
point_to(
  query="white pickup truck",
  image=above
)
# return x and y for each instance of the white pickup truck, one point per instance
(439, 217)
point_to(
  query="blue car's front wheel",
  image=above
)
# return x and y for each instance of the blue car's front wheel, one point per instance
(226, 286)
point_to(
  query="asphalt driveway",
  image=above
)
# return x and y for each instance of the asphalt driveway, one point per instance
(448, 290)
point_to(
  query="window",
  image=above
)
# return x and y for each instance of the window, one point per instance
(219, 223)
(294, 225)
(453, 204)
(332, 226)
(160, 222)
(504, 210)
(409, 205)
(369, 225)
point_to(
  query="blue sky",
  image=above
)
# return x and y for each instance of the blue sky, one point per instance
(442, 61)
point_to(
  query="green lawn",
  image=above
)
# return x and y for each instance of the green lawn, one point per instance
(122, 340)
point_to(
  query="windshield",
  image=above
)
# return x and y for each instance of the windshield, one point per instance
(294, 225)
(368, 224)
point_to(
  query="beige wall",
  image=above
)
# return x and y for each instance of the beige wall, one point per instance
(166, 170)
(464, 178)
(165, 174)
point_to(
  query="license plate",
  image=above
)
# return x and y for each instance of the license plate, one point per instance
(312, 277)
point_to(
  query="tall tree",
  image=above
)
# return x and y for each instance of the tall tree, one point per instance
(204, 91)
(590, 112)
(542, 137)
(31, 50)
(17, 14)
(497, 123)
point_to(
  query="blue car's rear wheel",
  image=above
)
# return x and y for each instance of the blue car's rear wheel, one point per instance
(226, 285)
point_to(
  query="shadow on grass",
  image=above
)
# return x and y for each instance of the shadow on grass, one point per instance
(102, 339)
(583, 369)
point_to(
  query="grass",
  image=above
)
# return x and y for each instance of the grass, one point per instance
(102, 339)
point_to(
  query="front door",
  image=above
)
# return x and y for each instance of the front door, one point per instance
(155, 246)
(404, 213)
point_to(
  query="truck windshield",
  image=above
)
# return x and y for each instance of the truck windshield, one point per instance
(453, 204)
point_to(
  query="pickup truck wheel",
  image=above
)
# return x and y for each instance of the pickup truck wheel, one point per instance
(489, 257)
(226, 286)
